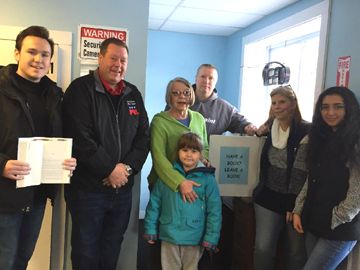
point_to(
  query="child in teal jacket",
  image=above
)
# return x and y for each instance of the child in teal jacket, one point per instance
(185, 228)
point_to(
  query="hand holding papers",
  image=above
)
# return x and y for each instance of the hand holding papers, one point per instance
(45, 156)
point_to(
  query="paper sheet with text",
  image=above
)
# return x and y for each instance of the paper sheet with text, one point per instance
(45, 156)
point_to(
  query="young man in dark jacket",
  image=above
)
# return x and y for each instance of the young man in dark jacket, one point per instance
(106, 117)
(29, 106)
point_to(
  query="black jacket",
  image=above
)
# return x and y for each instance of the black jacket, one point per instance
(104, 135)
(328, 184)
(15, 122)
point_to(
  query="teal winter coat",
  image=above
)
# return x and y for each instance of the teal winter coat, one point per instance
(171, 219)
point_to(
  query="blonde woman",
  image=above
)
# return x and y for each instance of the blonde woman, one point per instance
(282, 175)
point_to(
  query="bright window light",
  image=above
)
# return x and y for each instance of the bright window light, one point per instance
(296, 47)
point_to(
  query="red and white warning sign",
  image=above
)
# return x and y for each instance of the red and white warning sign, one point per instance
(90, 38)
(343, 71)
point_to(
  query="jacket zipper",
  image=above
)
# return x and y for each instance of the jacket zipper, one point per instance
(117, 125)
(116, 113)
(27, 109)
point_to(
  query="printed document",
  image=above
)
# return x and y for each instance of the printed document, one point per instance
(45, 156)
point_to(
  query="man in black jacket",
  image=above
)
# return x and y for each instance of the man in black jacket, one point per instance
(106, 117)
(29, 106)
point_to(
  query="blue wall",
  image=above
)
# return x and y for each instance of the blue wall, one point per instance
(173, 54)
(344, 40)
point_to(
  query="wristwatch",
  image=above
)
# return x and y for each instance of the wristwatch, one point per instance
(129, 169)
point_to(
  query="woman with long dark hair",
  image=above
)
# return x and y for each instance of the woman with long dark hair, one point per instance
(328, 206)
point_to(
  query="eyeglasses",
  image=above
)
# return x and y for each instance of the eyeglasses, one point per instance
(177, 93)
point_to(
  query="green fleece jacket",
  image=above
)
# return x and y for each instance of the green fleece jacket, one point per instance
(165, 133)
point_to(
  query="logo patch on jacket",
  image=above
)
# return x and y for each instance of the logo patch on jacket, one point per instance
(210, 121)
(132, 107)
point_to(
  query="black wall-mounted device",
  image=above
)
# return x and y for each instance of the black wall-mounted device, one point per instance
(275, 75)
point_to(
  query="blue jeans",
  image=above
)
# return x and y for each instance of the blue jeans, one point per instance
(324, 254)
(269, 227)
(18, 235)
(99, 221)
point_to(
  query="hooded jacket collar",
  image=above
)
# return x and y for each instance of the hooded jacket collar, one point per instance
(199, 169)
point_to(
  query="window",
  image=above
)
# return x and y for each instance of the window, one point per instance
(299, 44)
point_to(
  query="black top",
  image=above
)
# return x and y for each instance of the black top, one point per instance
(33, 94)
(328, 184)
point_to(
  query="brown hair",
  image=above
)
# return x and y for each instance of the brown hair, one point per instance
(35, 31)
(105, 44)
(190, 140)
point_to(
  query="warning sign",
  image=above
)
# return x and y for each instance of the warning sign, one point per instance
(90, 38)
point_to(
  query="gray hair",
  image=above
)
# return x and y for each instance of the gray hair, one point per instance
(169, 88)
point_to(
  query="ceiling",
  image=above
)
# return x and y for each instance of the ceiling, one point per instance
(210, 17)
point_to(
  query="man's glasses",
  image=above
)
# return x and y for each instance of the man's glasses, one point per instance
(177, 93)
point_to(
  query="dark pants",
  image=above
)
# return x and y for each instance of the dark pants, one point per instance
(148, 256)
(223, 258)
(244, 235)
(236, 242)
(99, 221)
(18, 235)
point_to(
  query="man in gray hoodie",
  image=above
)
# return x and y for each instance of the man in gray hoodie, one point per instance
(220, 115)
